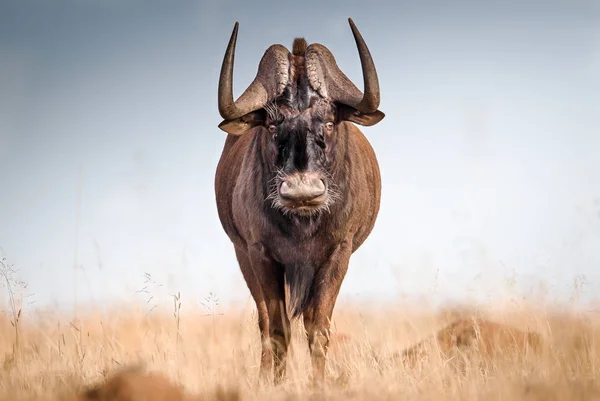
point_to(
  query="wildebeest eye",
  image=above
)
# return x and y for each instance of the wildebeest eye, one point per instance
(273, 129)
(329, 126)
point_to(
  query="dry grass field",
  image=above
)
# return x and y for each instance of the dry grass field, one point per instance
(128, 353)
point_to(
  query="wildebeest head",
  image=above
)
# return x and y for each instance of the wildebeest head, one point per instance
(298, 100)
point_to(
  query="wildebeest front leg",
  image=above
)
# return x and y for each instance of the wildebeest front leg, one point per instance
(271, 277)
(317, 317)
(253, 282)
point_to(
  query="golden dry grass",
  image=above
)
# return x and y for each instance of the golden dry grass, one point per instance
(203, 354)
(474, 337)
(135, 384)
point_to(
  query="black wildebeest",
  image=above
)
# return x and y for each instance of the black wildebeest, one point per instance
(297, 186)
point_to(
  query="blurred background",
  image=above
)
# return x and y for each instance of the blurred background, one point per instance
(489, 152)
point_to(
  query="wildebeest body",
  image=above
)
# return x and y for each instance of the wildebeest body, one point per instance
(296, 242)
(297, 186)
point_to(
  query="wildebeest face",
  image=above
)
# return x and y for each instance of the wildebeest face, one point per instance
(300, 155)
(297, 100)
(302, 132)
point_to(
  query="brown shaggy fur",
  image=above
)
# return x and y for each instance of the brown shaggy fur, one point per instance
(299, 47)
(135, 385)
(482, 337)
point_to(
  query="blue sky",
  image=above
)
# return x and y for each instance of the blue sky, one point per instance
(490, 150)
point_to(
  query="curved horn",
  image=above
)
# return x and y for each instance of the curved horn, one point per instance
(326, 77)
(271, 79)
(370, 101)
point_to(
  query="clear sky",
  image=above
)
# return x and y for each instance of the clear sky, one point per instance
(490, 150)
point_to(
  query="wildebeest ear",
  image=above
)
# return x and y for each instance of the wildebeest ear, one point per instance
(348, 113)
(240, 125)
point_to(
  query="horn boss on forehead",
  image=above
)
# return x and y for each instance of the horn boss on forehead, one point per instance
(270, 80)
(274, 75)
(326, 77)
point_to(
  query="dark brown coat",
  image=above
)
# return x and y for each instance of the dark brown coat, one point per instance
(305, 140)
